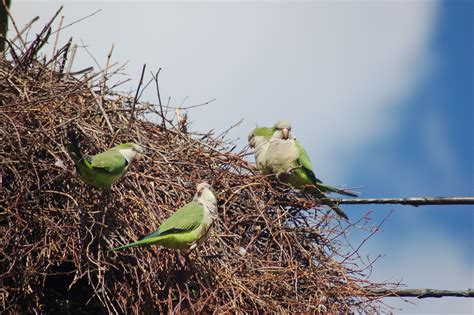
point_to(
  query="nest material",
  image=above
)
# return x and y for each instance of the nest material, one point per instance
(270, 250)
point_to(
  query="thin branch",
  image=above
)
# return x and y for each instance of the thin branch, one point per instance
(104, 82)
(424, 293)
(13, 23)
(90, 54)
(77, 21)
(163, 118)
(27, 26)
(71, 58)
(38, 43)
(356, 251)
(64, 60)
(182, 119)
(135, 99)
(413, 201)
(99, 103)
(193, 106)
(57, 35)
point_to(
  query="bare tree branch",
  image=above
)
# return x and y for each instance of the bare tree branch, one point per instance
(414, 201)
(26, 27)
(132, 112)
(424, 293)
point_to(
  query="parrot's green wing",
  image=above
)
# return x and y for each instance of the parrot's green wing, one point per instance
(187, 218)
(111, 161)
(305, 162)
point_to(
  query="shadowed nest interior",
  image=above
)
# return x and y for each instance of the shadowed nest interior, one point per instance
(271, 249)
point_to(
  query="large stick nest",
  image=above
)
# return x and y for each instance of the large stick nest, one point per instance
(271, 249)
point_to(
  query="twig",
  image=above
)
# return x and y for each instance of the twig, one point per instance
(182, 119)
(13, 23)
(109, 55)
(27, 26)
(99, 103)
(225, 132)
(424, 293)
(90, 54)
(65, 52)
(193, 106)
(38, 43)
(77, 21)
(55, 45)
(71, 58)
(132, 113)
(88, 69)
(163, 119)
(199, 105)
(413, 201)
(101, 99)
(367, 238)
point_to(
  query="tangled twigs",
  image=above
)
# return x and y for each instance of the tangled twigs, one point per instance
(270, 250)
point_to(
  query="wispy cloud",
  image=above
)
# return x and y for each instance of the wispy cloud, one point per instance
(440, 149)
(427, 259)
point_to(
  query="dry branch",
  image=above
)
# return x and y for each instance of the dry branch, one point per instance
(413, 201)
(424, 293)
(25, 28)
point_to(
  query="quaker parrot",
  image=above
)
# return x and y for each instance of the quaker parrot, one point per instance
(103, 169)
(281, 154)
(258, 140)
(188, 227)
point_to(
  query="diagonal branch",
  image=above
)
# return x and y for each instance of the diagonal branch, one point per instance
(424, 293)
(135, 99)
(414, 201)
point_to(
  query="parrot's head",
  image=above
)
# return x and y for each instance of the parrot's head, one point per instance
(129, 150)
(282, 130)
(205, 192)
(259, 136)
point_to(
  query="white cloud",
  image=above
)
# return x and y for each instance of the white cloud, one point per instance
(427, 260)
(440, 149)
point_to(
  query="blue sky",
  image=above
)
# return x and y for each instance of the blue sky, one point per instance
(430, 154)
(380, 94)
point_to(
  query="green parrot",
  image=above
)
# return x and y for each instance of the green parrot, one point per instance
(188, 227)
(258, 140)
(103, 169)
(278, 152)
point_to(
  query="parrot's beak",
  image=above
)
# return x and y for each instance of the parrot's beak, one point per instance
(285, 133)
(138, 157)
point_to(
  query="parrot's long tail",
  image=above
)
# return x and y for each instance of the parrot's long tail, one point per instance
(145, 241)
(335, 208)
(73, 146)
(330, 189)
(328, 202)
